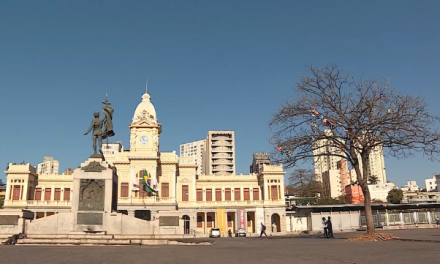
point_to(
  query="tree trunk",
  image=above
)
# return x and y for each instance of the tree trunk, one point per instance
(367, 206)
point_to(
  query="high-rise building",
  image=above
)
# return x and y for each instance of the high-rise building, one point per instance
(324, 157)
(68, 171)
(194, 150)
(258, 161)
(111, 150)
(219, 153)
(49, 166)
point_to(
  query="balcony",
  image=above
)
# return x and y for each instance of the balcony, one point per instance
(231, 203)
(222, 149)
(146, 200)
(222, 155)
(221, 137)
(37, 203)
(222, 161)
(221, 143)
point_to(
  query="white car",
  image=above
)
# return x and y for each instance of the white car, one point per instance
(215, 232)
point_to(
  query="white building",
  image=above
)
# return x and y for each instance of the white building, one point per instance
(49, 166)
(111, 150)
(324, 159)
(380, 191)
(376, 166)
(194, 150)
(431, 184)
(410, 186)
(219, 153)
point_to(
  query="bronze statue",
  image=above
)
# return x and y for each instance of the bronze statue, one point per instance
(98, 133)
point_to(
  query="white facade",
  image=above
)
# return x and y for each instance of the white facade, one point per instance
(376, 166)
(380, 191)
(194, 150)
(49, 166)
(410, 186)
(431, 184)
(332, 183)
(112, 149)
(323, 160)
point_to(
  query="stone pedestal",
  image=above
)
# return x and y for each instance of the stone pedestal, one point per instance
(94, 195)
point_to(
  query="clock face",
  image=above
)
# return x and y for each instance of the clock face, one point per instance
(144, 140)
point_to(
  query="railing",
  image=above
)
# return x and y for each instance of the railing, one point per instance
(146, 200)
(222, 149)
(230, 203)
(222, 155)
(221, 143)
(25, 203)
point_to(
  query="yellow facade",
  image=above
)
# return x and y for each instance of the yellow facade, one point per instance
(201, 201)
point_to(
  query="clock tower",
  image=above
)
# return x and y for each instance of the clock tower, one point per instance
(145, 130)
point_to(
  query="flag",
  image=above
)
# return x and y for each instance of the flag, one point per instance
(134, 181)
(147, 182)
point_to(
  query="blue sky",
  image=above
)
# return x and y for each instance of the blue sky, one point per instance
(211, 65)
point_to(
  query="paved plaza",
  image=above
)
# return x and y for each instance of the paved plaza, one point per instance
(296, 249)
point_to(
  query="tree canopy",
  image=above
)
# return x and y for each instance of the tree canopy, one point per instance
(352, 118)
(395, 196)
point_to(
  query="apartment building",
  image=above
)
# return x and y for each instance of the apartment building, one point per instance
(431, 184)
(219, 153)
(195, 150)
(49, 166)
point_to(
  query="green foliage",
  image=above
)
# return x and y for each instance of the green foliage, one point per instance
(303, 184)
(373, 179)
(329, 200)
(395, 196)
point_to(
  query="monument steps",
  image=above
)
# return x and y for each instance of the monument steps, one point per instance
(103, 240)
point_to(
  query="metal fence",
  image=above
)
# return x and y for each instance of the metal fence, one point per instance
(384, 218)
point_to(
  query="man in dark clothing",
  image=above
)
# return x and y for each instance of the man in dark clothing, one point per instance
(330, 228)
(263, 230)
(12, 240)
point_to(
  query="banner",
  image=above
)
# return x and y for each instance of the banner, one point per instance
(221, 220)
(242, 217)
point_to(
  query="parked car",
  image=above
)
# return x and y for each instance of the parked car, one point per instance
(240, 233)
(215, 232)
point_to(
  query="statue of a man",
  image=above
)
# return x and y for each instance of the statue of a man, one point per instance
(97, 133)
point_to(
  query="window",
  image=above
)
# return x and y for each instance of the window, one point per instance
(199, 195)
(247, 196)
(38, 194)
(274, 192)
(199, 222)
(124, 189)
(165, 189)
(237, 194)
(185, 194)
(208, 194)
(228, 194)
(47, 194)
(218, 194)
(57, 196)
(209, 221)
(66, 194)
(256, 194)
(16, 193)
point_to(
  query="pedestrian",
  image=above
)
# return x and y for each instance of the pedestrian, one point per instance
(263, 230)
(437, 220)
(330, 228)
(229, 233)
(324, 225)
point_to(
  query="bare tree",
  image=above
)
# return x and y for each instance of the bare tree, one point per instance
(354, 117)
(303, 184)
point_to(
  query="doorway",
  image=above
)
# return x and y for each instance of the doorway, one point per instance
(186, 225)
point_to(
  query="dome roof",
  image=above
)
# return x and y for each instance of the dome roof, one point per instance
(145, 110)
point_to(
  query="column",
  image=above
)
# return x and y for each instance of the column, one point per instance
(215, 220)
(25, 190)
(205, 223)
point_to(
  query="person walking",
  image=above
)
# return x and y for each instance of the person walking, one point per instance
(324, 225)
(437, 220)
(263, 230)
(330, 228)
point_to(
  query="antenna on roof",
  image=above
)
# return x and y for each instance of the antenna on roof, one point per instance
(146, 86)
